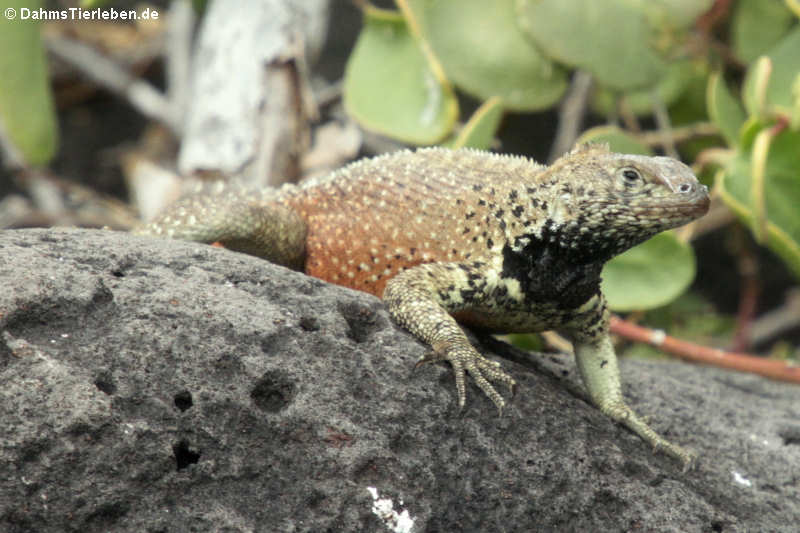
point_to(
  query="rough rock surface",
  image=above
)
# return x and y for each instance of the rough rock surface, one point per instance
(157, 386)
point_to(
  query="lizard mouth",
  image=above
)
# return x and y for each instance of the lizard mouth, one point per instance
(670, 208)
(693, 206)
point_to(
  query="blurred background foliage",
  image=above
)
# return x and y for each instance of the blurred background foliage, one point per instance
(643, 56)
(26, 102)
(713, 82)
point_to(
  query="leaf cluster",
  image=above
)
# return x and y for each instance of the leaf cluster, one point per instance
(735, 73)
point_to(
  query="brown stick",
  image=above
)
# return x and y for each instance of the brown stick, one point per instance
(770, 368)
(749, 292)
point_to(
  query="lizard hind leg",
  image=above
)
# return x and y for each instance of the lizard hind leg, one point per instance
(239, 219)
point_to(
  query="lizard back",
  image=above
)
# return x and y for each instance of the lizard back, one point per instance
(374, 218)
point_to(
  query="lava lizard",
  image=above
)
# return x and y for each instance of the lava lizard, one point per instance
(492, 241)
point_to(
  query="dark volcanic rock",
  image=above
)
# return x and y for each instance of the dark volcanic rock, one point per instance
(157, 386)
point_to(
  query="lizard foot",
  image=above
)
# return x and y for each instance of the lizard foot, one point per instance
(687, 458)
(623, 414)
(466, 360)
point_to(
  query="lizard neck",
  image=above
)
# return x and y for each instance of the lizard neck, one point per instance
(582, 243)
(549, 272)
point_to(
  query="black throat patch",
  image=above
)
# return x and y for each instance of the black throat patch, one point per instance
(548, 273)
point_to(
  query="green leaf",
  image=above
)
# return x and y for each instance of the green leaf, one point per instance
(785, 57)
(649, 275)
(781, 194)
(618, 140)
(794, 6)
(611, 39)
(678, 14)
(394, 86)
(692, 317)
(755, 90)
(484, 52)
(747, 135)
(640, 101)
(526, 341)
(725, 110)
(26, 103)
(480, 130)
(757, 26)
(794, 119)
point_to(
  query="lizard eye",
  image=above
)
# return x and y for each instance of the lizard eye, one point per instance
(631, 176)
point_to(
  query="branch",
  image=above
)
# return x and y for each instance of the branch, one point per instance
(773, 323)
(678, 134)
(750, 289)
(664, 124)
(571, 114)
(770, 368)
(106, 73)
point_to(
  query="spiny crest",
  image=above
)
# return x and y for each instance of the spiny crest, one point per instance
(489, 161)
(354, 169)
(501, 162)
(470, 156)
(589, 149)
(581, 163)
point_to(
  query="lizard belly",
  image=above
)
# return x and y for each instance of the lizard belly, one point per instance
(535, 319)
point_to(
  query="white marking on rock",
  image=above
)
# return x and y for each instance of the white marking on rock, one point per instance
(383, 508)
(740, 479)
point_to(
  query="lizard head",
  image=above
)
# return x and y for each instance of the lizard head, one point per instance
(622, 200)
(656, 190)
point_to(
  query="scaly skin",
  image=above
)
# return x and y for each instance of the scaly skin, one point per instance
(492, 241)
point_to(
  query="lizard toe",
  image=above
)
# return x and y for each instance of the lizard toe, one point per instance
(466, 360)
(486, 386)
(431, 357)
(461, 388)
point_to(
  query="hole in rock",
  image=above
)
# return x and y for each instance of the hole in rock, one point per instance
(183, 400)
(184, 456)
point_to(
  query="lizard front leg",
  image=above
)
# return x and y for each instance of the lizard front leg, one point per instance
(597, 364)
(421, 300)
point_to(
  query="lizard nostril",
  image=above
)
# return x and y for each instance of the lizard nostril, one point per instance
(685, 187)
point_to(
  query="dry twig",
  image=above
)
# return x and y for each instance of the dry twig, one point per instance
(770, 368)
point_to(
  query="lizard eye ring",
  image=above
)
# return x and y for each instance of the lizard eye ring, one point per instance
(631, 175)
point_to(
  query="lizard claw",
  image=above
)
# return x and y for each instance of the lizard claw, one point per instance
(431, 357)
(465, 360)
(687, 458)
